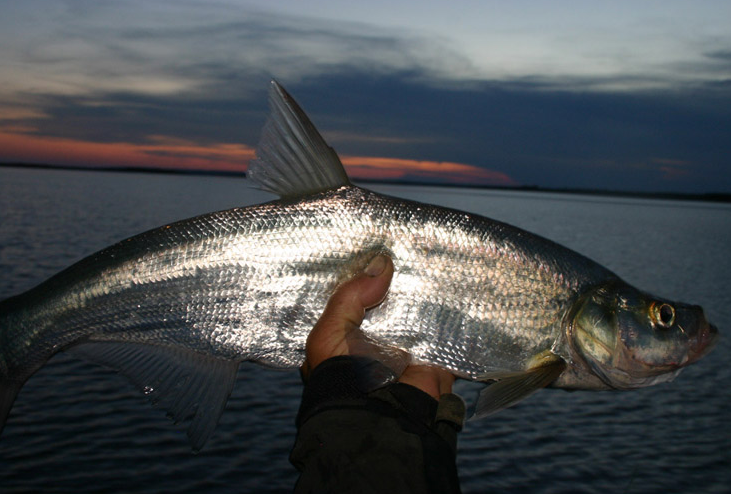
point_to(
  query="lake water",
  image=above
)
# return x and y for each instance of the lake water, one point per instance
(80, 428)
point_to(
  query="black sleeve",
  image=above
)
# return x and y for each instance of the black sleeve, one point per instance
(394, 439)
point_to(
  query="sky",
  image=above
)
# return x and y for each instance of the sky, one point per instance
(621, 95)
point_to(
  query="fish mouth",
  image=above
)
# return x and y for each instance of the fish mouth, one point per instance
(705, 342)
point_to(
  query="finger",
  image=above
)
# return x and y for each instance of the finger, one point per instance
(345, 311)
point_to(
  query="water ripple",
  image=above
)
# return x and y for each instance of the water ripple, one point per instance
(80, 428)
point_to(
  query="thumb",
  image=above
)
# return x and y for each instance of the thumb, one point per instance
(345, 311)
(346, 308)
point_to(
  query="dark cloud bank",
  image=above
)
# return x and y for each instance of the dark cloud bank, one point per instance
(676, 141)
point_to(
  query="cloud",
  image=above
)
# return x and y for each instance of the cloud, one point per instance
(161, 152)
(672, 173)
(445, 172)
(671, 162)
(196, 48)
(130, 117)
(125, 73)
(159, 49)
(179, 154)
(334, 137)
(514, 134)
(720, 55)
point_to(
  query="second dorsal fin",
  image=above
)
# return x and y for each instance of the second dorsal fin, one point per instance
(293, 159)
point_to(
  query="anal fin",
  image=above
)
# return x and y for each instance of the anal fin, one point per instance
(516, 386)
(189, 385)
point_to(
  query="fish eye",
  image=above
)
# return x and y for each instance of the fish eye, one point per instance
(662, 314)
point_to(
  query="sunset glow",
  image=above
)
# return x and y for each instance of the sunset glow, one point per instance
(171, 153)
(395, 168)
(162, 152)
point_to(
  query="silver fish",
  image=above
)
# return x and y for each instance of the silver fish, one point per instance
(176, 309)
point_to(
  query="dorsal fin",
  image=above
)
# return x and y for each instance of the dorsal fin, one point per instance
(293, 159)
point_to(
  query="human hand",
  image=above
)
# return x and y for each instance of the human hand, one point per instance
(337, 331)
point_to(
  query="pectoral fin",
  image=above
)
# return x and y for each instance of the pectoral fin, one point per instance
(189, 385)
(515, 386)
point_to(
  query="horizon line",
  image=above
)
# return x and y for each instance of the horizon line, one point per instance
(721, 197)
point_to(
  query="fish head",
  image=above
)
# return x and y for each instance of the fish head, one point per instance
(630, 339)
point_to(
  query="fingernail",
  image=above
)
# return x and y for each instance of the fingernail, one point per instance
(376, 266)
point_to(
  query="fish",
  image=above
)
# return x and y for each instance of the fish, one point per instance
(178, 308)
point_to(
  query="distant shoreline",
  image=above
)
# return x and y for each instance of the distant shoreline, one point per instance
(707, 197)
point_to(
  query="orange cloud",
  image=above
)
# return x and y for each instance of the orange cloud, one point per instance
(161, 152)
(19, 144)
(670, 162)
(672, 169)
(392, 168)
(671, 173)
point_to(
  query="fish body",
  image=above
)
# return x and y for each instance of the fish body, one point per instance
(250, 283)
(176, 309)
